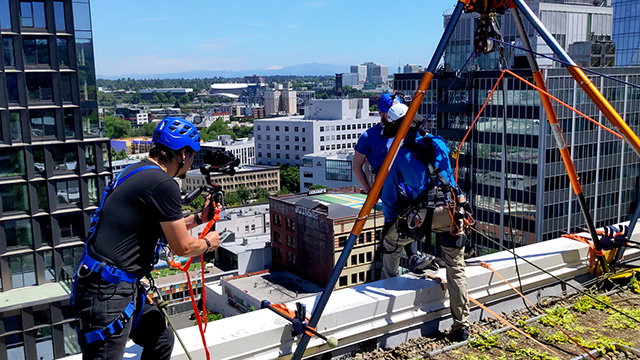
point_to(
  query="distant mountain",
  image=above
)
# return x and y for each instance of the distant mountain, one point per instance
(314, 69)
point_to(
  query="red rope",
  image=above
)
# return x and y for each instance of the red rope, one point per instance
(474, 122)
(202, 324)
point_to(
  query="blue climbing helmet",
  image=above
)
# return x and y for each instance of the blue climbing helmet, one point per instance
(176, 133)
(386, 101)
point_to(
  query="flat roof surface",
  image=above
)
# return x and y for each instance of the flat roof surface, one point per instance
(340, 205)
(33, 295)
(276, 287)
(253, 243)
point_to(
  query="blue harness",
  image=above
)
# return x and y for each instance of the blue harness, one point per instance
(109, 273)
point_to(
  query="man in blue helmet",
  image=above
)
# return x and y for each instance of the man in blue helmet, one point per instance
(373, 146)
(141, 206)
(424, 168)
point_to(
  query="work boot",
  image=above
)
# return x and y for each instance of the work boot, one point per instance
(418, 262)
(459, 335)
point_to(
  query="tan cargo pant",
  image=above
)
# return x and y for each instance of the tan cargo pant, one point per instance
(456, 277)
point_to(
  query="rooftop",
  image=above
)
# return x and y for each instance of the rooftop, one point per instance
(338, 206)
(276, 287)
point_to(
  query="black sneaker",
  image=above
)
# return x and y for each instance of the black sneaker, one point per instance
(459, 335)
(418, 262)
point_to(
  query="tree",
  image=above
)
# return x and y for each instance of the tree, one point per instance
(146, 129)
(231, 198)
(116, 128)
(197, 203)
(244, 194)
(317, 187)
(184, 99)
(118, 155)
(262, 195)
(290, 177)
(136, 98)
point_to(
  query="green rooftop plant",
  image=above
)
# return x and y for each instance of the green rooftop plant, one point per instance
(484, 341)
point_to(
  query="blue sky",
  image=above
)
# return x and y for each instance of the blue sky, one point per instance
(162, 36)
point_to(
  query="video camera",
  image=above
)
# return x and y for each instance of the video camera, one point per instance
(215, 161)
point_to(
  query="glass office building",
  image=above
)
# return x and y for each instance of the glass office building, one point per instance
(626, 32)
(528, 198)
(54, 164)
(569, 21)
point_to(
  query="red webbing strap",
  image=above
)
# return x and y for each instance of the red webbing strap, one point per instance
(593, 253)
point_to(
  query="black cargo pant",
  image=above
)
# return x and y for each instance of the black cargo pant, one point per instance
(98, 303)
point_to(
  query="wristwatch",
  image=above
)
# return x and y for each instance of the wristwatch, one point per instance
(198, 219)
(208, 244)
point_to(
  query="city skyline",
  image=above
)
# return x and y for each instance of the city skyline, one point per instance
(259, 35)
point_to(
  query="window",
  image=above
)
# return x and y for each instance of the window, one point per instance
(40, 87)
(41, 192)
(38, 160)
(277, 128)
(68, 193)
(354, 259)
(286, 128)
(63, 52)
(15, 126)
(12, 88)
(9, 52)
(14, 198)
(321, 128)
(43, 123)
(338, 170)
(5, 15)
(295, 129)
(58, 9)
(65, 159)
(32, 14)
(18, 233)
(36, 51)
(23, 271)
(70, 127)
(71, 258)
(343, 281)
(11, 162)
(354, 278)
(65, 87)
(70, 226)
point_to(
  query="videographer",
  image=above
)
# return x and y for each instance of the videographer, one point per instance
(141, 206)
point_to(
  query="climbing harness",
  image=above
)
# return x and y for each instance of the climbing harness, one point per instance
(111, 274)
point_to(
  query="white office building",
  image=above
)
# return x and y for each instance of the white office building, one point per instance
(243, 149)
(332, 124)
(361, 70)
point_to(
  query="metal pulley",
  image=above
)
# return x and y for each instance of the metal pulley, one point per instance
(487, 28)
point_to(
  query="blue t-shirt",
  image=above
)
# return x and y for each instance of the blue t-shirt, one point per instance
(414, 174)
(374, 146)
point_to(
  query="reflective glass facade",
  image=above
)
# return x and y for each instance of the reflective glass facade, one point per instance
(50, 176)
(534, 201)
(626, 32)
(568, 21)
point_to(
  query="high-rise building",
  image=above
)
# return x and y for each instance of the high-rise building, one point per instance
(412, 68)
(626, 32)
(529, 194)
(376, 73)
(54, 165)
(361, 70)
(280, 101)
(271, 102)
(569, 21)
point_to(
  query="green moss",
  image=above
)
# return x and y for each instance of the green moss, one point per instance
(587, 303)
(559, 316)
(532, 330)
(557, 337)
(620, 321)
(484, 341)
(513, 334)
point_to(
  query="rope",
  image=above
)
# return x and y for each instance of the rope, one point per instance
(557, 278)
(442, 282)
(185, 268)
(562, 103)
(506, 322)
(568, 64)
(474, 122)
(488, 266)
